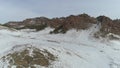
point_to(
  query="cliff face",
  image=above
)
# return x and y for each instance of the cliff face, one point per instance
(63, 24)
(108, 25)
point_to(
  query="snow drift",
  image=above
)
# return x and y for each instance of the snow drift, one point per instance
(75, 49)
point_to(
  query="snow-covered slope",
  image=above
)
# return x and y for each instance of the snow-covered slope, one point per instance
(75, 49)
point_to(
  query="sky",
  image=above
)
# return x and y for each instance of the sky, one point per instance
(17, 10)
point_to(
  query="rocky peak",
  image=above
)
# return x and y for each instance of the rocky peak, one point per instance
(108, 26)
(79, 20)
(103, 19)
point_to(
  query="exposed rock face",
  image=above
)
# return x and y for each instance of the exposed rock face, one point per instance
(37, 23)
(63, 24)
(108, 25)
(14, 24)
(82, 21)
(78, 22)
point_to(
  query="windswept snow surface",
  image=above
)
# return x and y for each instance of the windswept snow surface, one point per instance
(75, 49)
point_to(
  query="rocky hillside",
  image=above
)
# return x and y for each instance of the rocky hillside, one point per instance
(87, 42)
(28, 57)
(63, 24)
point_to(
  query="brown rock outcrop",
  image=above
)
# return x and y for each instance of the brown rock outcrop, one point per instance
(108, 25)
(63, 24)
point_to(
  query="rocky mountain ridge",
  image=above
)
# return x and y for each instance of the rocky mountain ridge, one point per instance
(39, 49)
(63, 24)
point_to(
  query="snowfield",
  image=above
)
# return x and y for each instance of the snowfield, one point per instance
(75, 49)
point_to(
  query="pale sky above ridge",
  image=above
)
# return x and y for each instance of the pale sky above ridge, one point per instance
(16, 10)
